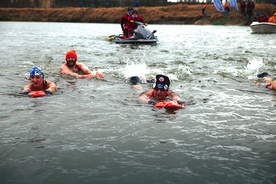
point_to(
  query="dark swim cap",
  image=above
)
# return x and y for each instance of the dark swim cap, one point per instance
(134, 80)
(129, 8)
(161, 82)
(262, 75)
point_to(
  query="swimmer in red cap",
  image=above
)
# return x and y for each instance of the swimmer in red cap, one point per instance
(77, 69)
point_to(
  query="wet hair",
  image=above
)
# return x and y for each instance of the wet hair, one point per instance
(262, 75)
(134, 80)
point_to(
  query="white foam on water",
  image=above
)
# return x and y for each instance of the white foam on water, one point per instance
(133, 69)
(253, 66)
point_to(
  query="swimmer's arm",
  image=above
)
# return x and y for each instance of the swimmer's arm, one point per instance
(89, 73)
(66, 71)
(273, 85)
(85, 69)
(52, 87)
(145, 97)
(176, 98)
(27, 88)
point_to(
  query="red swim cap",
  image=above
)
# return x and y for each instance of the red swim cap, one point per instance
(71, 54)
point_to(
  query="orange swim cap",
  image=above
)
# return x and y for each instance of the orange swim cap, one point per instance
(71, 54)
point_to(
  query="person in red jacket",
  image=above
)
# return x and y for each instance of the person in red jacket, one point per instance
(263, 18)
(272, 19)
(131, 25)
(124, 21)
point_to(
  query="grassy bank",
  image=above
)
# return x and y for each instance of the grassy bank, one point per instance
(173, 14)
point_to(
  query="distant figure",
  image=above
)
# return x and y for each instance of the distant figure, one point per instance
(203, 9)
(249, 12)
(137, 3)
(80, 4)
(124, 21)
(272, 19)
(243, 7)
(107, 4)
(38, 83)
(226, 9)
(77, 69)
(262, 17)
(131, 22)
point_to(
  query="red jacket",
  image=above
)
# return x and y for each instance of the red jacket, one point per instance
(124, 20)
(131, 21)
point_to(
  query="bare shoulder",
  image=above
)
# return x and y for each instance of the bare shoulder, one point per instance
(147, 93)
(63, 67)
(51, 83)
(171, 93)
(80, 64)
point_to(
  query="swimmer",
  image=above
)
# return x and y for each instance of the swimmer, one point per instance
(38, 83)
(160, 91)
(268, 82)
(77, 69)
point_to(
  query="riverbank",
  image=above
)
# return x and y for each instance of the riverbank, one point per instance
(173, 14)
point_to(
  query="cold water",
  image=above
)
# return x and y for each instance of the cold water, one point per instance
(96, 131)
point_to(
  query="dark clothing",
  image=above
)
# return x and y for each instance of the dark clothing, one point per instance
(226, 10)
(203, 9)
(243, 7)
(250, 8)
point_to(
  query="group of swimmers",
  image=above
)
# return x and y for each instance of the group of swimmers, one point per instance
(70, 67)
(160, 89)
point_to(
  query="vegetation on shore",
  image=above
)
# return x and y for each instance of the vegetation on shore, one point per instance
(173, 14)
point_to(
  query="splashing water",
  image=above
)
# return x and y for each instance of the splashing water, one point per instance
(252, 67)
(140, 70)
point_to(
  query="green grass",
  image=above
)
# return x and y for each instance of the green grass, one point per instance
(220, 22)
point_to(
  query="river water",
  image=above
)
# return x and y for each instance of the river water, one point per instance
(96, 131)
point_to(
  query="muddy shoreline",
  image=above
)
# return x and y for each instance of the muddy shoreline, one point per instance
(173, 14)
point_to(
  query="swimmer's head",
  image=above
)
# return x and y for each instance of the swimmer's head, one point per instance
(36, 71)
(161, 82)
(71, 54)
(71, 58)
(134, 80)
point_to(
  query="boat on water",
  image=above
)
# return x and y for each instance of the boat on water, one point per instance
(140, 35)
(263, 28)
